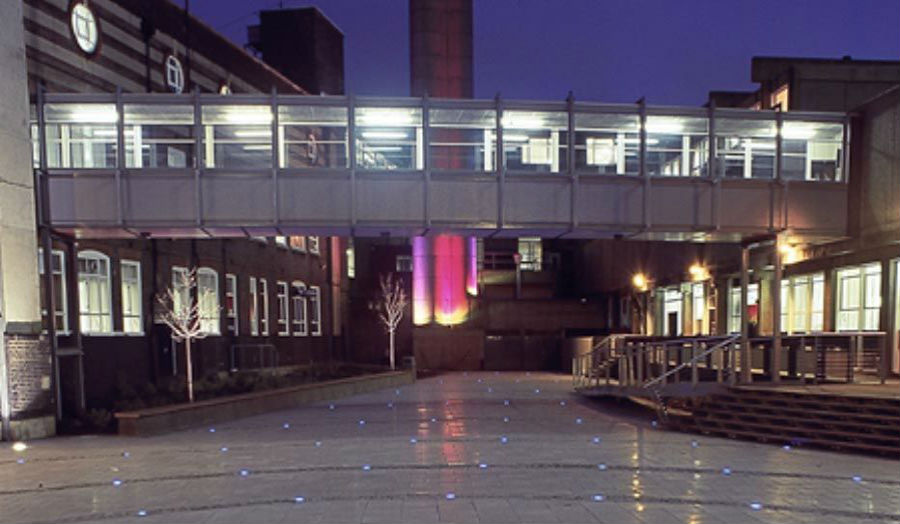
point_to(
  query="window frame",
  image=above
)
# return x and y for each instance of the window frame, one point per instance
(312, 245)
(63, 305)
(232, 319)
(140, 302)
(215, 320)
(263, 290)
(253, 311)
(316, 328)
(95, 255)
(282, 320)
(298, 288)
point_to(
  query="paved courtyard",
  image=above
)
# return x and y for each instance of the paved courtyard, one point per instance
(475, 447)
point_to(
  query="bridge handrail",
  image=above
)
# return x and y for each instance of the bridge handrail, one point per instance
(693, 361)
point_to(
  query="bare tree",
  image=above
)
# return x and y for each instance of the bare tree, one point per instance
(391, 305)
(180, 307)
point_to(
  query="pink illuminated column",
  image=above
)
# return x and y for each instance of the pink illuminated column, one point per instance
(450, 303)
(421, 299)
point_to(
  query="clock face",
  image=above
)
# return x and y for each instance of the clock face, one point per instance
(174, 74)
(84, 28)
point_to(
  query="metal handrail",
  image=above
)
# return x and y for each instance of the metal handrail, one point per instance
(693, 361)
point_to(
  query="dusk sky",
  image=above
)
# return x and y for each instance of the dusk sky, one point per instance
(672, 52)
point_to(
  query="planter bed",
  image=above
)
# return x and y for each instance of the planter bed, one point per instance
(164, 419)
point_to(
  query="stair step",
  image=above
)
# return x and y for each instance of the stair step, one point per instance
(805, 412)
(784, 424)
(689, 425)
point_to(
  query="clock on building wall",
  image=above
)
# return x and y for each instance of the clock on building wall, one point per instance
(174, 74)
(84, 27)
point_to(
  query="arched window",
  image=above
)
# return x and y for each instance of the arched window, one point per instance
(94, 295)
(208, 300)
(298, 308)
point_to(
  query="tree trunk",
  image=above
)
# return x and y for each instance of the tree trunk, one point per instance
(392, 349)
(189, 369)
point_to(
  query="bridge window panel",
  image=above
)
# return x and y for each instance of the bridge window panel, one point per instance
(812, 150)
(81, 136)
(237, 137)
(163, 134)
(677, 145)
(312, 136)
(463, 139)
(607, 143)
(745, 148)
(389, 138)
(535, 141)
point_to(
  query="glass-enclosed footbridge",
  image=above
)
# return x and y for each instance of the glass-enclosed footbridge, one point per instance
(211, 165)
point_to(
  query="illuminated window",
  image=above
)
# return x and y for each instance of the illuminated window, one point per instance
(298, 301)
(403, 264)
(208, 300)
(734, 305)
(281, 241)
(779, 98)
(59, 289)
(298, 243)
(817, 311)
(254, 308)
(174, 74)
(698, 297)
(315, 311)
(859, 298)
(84, 27)
(282, 296)
(263, 307)
(231, 304)
(132, 313)
(672, 304)
(312, 245)
(351, 259)
(531, 251)
(94, 292)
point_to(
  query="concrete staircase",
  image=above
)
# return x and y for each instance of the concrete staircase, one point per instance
(855, 423)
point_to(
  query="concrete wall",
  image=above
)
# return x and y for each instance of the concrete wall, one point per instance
(25, 399)
(876, 161)
(446, 348)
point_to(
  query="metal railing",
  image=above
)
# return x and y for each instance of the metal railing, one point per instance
(635, 362)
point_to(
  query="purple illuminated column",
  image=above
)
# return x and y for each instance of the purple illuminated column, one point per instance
(422, 311)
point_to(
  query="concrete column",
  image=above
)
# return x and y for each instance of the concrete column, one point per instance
(776, 310)
(25, 366)
(746, 373)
